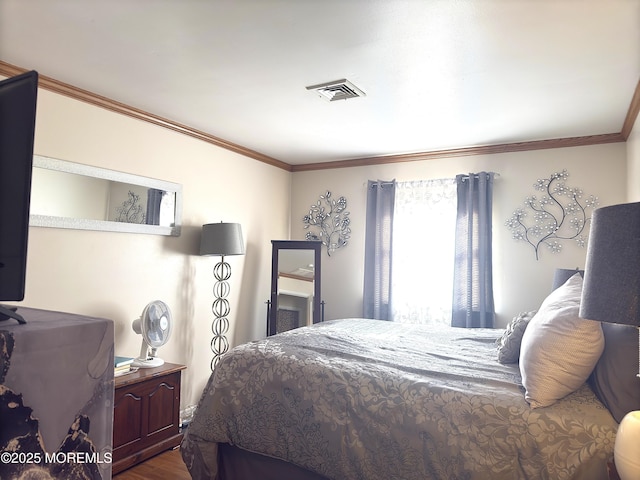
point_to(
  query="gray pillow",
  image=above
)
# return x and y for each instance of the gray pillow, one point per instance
(509, 342)
(614, 378)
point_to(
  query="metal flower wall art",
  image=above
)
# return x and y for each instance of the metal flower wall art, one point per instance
(559, 214)
(131, 211)
(329, 222)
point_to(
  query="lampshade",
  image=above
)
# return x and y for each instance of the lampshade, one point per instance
(561, 275)
(221, 239)
(611, 289)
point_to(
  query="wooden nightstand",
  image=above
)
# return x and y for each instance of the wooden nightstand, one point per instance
(146, 414)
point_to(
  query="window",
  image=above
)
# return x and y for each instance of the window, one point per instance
(423, 251)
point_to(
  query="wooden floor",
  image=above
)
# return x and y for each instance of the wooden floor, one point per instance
(166, 465)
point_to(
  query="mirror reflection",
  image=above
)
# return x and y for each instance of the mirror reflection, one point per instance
(295, 285)
(71, 195)
(295, 288)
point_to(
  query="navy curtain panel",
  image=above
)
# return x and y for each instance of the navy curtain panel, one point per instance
(473, 277)
(377, 254)
(154, 200)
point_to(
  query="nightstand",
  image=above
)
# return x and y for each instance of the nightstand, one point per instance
(146, 414)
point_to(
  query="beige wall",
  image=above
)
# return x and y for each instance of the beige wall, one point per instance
(633, 163)
(520, 281)
(114, 275)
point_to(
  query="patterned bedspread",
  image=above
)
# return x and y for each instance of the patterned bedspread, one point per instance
(367, 399)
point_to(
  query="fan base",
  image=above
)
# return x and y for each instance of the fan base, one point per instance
(150, 362)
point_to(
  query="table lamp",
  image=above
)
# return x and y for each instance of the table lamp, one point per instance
(611, 293)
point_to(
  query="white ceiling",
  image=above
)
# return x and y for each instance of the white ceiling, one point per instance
(438, 74)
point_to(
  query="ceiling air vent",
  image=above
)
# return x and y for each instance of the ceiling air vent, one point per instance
(337, 90)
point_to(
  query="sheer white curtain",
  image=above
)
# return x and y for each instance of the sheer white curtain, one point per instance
(423, 251)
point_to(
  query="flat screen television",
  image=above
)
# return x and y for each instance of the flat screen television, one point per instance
(18, 97)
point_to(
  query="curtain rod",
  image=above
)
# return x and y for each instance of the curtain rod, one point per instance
(382, 183)
(464, 177)
(489, 174)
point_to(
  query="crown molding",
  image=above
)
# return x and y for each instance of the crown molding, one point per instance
(632, 113)
(465, 152)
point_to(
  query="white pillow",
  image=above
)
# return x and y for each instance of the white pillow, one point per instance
(559, 349)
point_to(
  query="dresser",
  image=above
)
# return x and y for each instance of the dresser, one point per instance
(146, 415)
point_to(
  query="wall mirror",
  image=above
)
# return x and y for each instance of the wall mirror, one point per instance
(295, 285)
(71, 195)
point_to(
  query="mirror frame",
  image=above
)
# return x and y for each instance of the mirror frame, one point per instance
(106, 225)
(277, 246)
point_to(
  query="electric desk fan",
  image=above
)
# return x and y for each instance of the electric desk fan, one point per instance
(155, 327)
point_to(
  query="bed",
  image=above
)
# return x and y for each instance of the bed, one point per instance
(367, 399)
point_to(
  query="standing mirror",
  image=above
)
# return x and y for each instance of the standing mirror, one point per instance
(295, 285)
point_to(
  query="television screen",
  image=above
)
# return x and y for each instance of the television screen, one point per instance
(17, 127)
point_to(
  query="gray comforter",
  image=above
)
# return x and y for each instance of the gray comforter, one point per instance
(366, 399)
